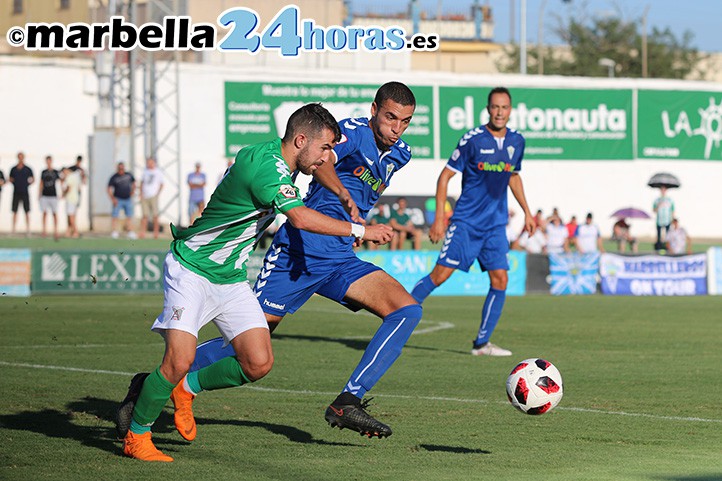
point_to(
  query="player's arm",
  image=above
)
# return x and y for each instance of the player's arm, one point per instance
(303, 218)
(517, 188)
(327, 177)
(438, 228)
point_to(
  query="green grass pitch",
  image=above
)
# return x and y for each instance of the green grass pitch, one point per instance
(641, 378)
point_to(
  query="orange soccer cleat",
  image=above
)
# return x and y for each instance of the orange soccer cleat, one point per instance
(140, 446)
(185, 423)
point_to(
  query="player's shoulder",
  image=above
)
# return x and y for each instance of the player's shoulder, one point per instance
(514, 134)
(403, 150)
(474, 135)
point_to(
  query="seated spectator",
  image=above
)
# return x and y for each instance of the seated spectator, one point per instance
(379, 215)
(403, 227)
(678, 242)
(536, 244)
(587, 237)
(557, 236)
(620, 233)
(572, 226)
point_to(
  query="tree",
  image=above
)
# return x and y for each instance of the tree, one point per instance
(588, 41)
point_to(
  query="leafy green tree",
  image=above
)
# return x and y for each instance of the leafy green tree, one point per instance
(588, 41)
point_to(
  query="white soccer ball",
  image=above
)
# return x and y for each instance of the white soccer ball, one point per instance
(534, 386)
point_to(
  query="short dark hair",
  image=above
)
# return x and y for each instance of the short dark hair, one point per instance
(310, 120)
(498, 90)
(396, 91)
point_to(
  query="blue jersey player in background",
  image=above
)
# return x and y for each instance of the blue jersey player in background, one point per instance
(299, 264)
(489, 160)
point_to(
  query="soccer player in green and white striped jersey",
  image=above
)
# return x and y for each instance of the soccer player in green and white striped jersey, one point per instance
(205, 271)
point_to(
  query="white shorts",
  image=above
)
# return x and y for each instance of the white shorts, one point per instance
(191, 302)
(48, 204)
(71, 208)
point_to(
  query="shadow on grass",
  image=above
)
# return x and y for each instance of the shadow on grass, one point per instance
(86, 420)
(452, 449)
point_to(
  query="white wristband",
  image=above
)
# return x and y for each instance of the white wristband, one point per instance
(357, 230)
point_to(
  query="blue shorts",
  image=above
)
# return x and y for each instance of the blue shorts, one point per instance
(126, 205)
(463, 244)
(287, 281)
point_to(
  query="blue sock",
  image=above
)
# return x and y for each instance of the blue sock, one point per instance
(384, 349)
(422, 289)
(209, 352)
(490, 314)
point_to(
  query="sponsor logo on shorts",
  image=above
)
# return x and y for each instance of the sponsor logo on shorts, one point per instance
(177, 313)
(268, 303)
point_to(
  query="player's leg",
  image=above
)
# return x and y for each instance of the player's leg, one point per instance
(26, 207)
(493, 258)
(376, 291)
(54, 210)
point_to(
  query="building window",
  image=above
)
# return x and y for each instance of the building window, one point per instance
(64, 4)
(17, 7)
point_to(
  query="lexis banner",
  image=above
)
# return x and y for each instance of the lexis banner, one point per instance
(654, 275)
(680, 125)
(97, 271)
(558, 124)
(256, 112)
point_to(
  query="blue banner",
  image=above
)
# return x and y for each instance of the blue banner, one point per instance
(654, 275)
(408, 267)
(574, 273)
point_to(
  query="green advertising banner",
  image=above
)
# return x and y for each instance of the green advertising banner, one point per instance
(558, 124)
(258, 111)
(679, 125)
(63, 272)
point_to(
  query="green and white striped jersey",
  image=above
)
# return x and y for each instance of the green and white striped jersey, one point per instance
(256, 187)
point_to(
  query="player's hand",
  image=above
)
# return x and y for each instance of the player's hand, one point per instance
(529, 224)
(350, 207)
(437, 231)
(379, 233)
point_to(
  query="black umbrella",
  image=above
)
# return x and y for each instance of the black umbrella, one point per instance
(663, 179)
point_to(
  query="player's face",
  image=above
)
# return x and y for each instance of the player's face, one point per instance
(499, 109)
(315, 151)
(389, 121)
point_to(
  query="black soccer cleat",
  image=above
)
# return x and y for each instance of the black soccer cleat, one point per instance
(348, 411)
(124, 415)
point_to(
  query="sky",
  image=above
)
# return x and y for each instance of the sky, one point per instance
(702, 17)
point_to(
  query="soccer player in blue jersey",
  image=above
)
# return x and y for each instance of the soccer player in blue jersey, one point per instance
(489, 160)
(299, 264)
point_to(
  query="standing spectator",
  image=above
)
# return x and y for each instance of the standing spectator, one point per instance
(404, 228)
(48, 195)
(21, 176)
(678, 242)
(72, 180)
(557, 236)
(587, 237)
(151, 184)
(77, 168)
(572, 227)
(489, 159)
(2, 180)
(197, 196)
(664, 207)
(121, 189)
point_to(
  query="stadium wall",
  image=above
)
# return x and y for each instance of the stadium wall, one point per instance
(52, 102)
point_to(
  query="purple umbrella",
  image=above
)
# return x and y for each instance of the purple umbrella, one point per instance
(630, 213)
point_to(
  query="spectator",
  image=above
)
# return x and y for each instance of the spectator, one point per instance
(72, 180)
(587, 237)
(2, 180)
(150, 186)
(537, 242)
(21, 176)
(511, 236)
(572, 226)
(229, 163)
(403, 227)
(664, 207)
(620, 233)
(196, 198)
(557, 236)
(121, 189)
(539, 218)
(77, 168)
(380, 217)
(48, 195)
(678, 242)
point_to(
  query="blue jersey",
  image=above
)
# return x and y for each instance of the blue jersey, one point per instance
(486, 168)
(365, 171)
